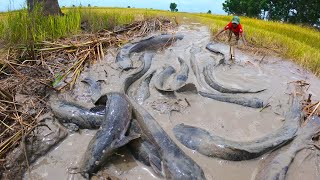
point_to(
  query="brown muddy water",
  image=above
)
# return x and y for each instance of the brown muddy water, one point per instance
(227, 120)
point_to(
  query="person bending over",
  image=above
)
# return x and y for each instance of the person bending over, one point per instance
(235, 28)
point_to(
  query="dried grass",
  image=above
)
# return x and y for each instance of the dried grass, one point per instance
(28, 74)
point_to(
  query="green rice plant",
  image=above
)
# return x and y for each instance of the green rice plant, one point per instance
(303, 34)
(23, 28)
(97, 20)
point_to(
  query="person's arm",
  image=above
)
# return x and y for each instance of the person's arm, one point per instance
(243, 38)
(242, 34)
(215, 36)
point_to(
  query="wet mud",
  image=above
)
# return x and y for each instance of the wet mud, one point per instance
(237, 123)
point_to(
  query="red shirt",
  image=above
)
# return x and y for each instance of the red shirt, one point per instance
(236, 30)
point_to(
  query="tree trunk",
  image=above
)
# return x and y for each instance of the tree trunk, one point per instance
(48, 7)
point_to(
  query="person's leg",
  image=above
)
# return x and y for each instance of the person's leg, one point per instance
(232, 49)
(230, 44)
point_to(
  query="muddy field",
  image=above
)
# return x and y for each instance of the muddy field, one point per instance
(232, 121)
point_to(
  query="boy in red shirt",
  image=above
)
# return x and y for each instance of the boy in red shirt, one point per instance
(235, 28)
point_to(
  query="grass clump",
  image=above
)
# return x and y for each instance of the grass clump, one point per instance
(94, 21)
(24, 28)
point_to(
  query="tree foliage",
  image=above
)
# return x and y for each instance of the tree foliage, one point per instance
(209, 12)
(293, 11)
(173, 7)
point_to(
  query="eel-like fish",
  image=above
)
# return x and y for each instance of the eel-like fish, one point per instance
(95, 88)
(212, 145)
(180, 77)
(161, 79)
(275, 167)
(110, 136)
(143, 92)
(144, 150)
(195, 68)
(146, 60)
(151, 44)
(218, 53)
(230, 98)
(213, 83)
(84, 118)
(253, 102)
(176, 164)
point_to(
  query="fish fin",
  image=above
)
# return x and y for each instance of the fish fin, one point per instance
(125, 140)
(156, 165)
(163, 170)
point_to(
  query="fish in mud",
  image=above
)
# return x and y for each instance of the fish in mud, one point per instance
(181, 76)
(230, 98)
(146, 60)
(110, 136)
(151, 44)
(214, 84)
(276, 165)
(144, 150)
(95, 88)
(248, 102)
(212, 145)
(84, 118)
(176, 164)
(195, 68)
(161, 79)
(221, 56)
(143, 92)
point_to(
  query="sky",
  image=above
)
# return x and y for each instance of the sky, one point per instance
(183, 5)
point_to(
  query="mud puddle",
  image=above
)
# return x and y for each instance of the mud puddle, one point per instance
(228, 120)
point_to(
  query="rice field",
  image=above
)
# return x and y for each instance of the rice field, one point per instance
(300, 44)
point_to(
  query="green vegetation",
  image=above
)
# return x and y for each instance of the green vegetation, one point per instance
(298, 43)
(173, 7)
(293, 11)
(21, 28)
(94, 20)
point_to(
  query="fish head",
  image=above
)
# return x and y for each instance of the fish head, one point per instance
(63, 109)
(177, 167)
(179, 36)
(189, 136)
(94, 161)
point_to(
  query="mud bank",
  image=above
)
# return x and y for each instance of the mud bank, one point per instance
(235, 122)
